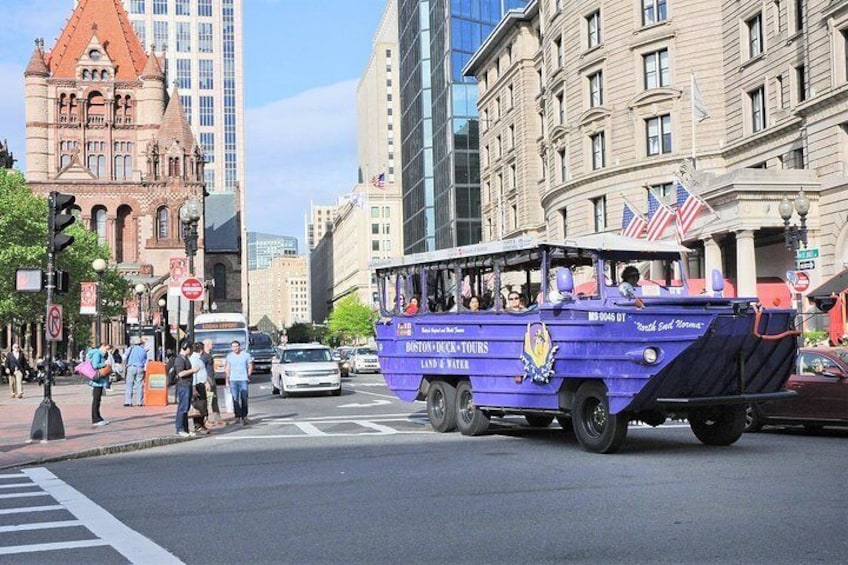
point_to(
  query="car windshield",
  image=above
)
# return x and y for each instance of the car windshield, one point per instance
(306, 356)
(260, 341)
(843, 356)
(365, 351)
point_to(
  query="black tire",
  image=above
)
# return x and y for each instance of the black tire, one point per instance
(338, 391)
(596, 429)
(719, 425)
(753, 420)
(283, 393)
(539, 420)
(441, 406)
(470, 421)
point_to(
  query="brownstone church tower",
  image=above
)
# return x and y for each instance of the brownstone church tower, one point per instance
(100, 125)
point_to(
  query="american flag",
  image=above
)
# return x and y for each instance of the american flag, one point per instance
(688, 207)
(659, 217)
(632, 224)
(379, 181)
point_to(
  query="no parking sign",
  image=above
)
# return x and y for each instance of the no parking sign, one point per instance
(54, 322)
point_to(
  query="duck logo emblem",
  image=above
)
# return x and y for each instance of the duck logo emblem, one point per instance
(538, 355)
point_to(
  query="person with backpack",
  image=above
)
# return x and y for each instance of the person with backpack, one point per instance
(181, 374)
(98, 357)
(136, 361)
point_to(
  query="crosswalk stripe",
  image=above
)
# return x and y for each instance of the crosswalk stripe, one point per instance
(378, 427)
(17, 485)
(309, 429)
(54, 546)
(26, 509)
(23, 494)
(40, 526)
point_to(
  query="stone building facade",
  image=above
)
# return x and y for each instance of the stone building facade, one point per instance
(280, 293)
(599, 98)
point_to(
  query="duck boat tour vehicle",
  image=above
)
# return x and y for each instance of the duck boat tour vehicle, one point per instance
(552, 330)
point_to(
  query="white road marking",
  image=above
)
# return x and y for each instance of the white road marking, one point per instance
(111, 531)
(377, 402)
(309, 429)
(17, 485)
(389, 396)
(55, 546)
(383, 384)
(23, 494)
(26, 509)
(345, 418)
(378, 427)
(41, 526)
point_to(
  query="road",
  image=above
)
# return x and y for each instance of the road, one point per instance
(362, 479)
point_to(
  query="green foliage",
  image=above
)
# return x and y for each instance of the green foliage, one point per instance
(23, 233)
(815, 338)
(351, 320)
(300, 333)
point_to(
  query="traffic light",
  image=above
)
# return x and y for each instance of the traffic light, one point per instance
(58, 220)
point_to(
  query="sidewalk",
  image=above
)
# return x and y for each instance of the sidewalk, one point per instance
(129, 428)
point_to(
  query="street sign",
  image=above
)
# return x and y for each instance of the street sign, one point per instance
(802, 281)
(54, 323)
(811, 253)
(192, 289)
(805, 265)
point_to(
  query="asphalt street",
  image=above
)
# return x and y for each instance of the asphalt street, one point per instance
(361, 478)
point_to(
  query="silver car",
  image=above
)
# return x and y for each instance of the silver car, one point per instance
(305, 367)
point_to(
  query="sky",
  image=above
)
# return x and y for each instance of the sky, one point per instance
(302, 62)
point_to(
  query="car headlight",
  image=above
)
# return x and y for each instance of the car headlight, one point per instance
(650, 355)
(337, 372)
(291, 374)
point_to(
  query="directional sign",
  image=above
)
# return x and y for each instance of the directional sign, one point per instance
(802, 281)
(192, 289)
(803, 254)
(54, 323)
(806, 264)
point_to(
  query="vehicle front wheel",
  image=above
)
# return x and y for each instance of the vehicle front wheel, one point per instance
(596, 429)
(441, 406)
(539, 420)
(470, 420)
(753, 420)
(338, 391)
(720, 425)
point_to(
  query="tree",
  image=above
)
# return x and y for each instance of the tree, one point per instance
(351, 320)
(23, 233)
(299, 333)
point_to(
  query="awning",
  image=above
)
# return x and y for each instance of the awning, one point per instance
(836, 284)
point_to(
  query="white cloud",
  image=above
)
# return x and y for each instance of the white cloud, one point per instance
(12, 122)
(299, 150)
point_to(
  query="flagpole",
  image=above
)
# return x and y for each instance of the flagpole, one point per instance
(692, 96)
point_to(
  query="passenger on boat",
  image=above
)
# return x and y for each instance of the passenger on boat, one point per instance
(630, 280)
(413, 306)
(474, 304)
(515, 304)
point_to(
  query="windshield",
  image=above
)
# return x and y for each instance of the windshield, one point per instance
(260, 341)
(306, 356)
(365, 351)
(221, 339)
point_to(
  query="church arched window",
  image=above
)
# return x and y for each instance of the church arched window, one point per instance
(162, 230)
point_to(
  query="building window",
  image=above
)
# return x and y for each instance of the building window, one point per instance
(599, 209)
(564, 217)
(510, 96)
(593, 29)
(375, 245)
(375, 229)
(801, 80)
(207, 111)
(664, 192)
(186, 102)
(183, 37)
(160, 6)
(137, 6)
(205, 74)
(658, 132)
(219, 273)
(162, 223)
(139, 29)
(560, 98)
(656, 69)
(563, 165)
(755, 35)
(182, 7)
(596, 89)
(204, 8)
(598, 157)
(799, 15)
(204, 37)
(184, 73)
(653, 11)
(794, 159)
(758, 109)
(558, 53)
(99, 225)
(160, 34)
(375, 212)
(511, 136)
(207, 142)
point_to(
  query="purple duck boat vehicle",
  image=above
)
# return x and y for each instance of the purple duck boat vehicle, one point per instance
(553, 330)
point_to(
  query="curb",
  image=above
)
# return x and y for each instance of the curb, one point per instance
(105, 450)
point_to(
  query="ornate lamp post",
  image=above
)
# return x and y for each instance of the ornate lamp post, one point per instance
(190, 216)
(139, 290)
(795, 236)
(163, 325)
(99, 266)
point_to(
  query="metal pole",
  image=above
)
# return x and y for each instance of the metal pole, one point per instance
(98, 314)
(191, 249)
(140, 317)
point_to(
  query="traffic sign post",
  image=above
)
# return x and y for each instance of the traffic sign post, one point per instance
(192, 289)
(54, 330)
(801, 282)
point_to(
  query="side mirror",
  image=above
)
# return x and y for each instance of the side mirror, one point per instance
(564, 280)
(717, 282)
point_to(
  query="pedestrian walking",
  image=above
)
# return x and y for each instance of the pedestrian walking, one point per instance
(184, 373)
(213, 408)
(16, 367)
(136, 362)
(238, 370)
(98, 357)
(198, 398)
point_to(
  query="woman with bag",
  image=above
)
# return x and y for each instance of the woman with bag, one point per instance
(98, 357)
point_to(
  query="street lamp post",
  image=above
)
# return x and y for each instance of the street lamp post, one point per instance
(190, 216)
(99, 266)
(163, 325)
(795, 236)
(139, 290)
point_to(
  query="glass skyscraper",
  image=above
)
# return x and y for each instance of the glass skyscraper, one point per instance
(441, 169)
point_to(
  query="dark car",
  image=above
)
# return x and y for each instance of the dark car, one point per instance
(262, 350)
(821, 382)
(342, 355)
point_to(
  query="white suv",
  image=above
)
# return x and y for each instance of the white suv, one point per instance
(364, 360)
(306, 367)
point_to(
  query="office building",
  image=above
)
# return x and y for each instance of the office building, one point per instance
(263, 247)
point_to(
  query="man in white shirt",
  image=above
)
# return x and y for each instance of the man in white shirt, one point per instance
(198, 396)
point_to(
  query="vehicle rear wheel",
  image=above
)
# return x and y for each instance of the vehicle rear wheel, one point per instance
(470, 420)
(719, 425)
(441, 406)
(596, 429)
(753, 420)
(539, 420)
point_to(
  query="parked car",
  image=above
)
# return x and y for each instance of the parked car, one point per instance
(261, 349)
(821, 381)
(306, 367)
(364, 360)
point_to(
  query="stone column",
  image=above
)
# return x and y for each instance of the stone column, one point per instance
(746, 264)
(712, 260)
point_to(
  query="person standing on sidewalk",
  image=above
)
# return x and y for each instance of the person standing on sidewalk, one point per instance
(211, 386)
(16, 367)
(98, 356)
(185, 374)
(136, 361)
(199, 385)
(238, 369)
